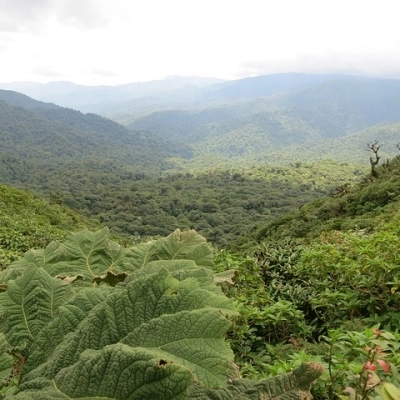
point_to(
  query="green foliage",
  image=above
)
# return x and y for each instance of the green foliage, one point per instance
(359, 363)
(293, 294)
(268, 304)
(28, 222)
(349, 207)
(339, 277)
(220, 204)
(157, 332)
(294, 385)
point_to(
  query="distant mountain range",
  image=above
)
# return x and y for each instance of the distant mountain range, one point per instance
(265, 119)
(91, 98)
(273, 118)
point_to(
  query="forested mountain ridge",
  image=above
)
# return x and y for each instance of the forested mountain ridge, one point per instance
(20, 100)
(253, 129)
(42, 138)
(257, 120)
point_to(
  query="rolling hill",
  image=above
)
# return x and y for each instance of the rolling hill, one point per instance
(271, 128)
(41, 139)
(263, 119)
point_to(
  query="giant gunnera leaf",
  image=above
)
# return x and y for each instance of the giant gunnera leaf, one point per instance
(89, 319)
(83, 257)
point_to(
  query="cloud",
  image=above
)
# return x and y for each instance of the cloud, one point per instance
(119, 41)
(33, 15)
(17, 15)
(82, 14)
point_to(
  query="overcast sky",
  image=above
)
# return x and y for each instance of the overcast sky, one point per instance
(119, 41)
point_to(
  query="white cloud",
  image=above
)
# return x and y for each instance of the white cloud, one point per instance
(116, 41)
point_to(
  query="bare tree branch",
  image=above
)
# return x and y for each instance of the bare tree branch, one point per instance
(374, 159)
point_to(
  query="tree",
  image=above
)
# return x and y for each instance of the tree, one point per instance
(374, 159)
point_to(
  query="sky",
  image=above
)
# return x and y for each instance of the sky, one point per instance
(110, 42)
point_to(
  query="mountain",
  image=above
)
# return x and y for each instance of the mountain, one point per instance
(91, 98)
(264, 85)
(41, 140)
(265, 119)
(271, 118)
(291, 111)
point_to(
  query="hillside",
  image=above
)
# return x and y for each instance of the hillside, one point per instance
(268, 125)
(360, 207)
(28, 221)
(271, 119)
(322, 284)
(44, 139)
(326, 307)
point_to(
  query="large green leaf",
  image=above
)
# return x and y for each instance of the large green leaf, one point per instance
(174, 322)
(30, 302)
(166, 381)
(115, 372)
(194, 339)
(291, 386)
(187, 245)
(68, 318)
(151, 326)
(83, 256)
(124, 373)
(44, 389)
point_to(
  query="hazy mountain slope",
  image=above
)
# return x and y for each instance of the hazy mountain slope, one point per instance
(216, 95)
(354, 103)
(20, 100)
(89, 98)
(349, 148)
(49, 139)
(330, 109)
(264, 85)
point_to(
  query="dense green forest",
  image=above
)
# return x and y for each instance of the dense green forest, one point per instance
(221, 204)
